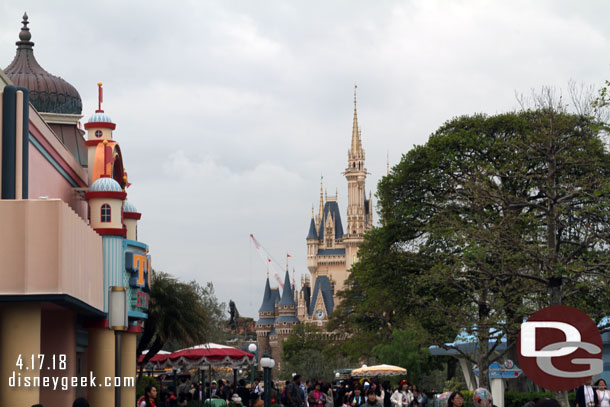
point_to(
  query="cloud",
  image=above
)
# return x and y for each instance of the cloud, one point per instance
(227, 113)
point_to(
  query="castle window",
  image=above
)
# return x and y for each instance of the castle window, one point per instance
(106, 213)
(98, 133)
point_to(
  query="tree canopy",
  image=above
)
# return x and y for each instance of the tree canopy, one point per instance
(179, 315)
(493, 218)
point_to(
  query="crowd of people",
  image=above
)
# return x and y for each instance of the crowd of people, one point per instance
(293, 393)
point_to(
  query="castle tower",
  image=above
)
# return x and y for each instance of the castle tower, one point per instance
(312, 246)
(359, 209)
(355, 173)
(266, 320)
(287, 318)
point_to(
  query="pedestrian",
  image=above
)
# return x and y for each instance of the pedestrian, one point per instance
(456, 399)
(294, 394)
(149, 397)
(399, 397)
(330, 396)
(603, 394)
(586, 396)
(316, 397)
(372, 399)
(357, 399)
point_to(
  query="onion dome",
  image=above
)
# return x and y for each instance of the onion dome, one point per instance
(128, 207)
(48, 93)
(130, 211)
(100, 119)
(105, 184)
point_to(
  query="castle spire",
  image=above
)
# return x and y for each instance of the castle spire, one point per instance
(321, 210)
(356, 146)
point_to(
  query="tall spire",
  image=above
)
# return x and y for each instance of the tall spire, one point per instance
(355, 133)
(321, 210)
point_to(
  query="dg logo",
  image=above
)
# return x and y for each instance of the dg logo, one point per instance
(559, 348)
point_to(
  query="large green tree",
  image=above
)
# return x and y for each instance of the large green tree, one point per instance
(492, 218)
(179, 315)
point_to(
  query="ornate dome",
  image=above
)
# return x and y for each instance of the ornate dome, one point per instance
(99, 117)
(48, 93)
(128, 207)
(105, 184)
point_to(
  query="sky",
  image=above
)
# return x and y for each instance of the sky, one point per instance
(229, 112)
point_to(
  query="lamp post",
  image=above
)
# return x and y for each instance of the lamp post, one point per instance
(117, 321)
(252, 348)
(267, 363)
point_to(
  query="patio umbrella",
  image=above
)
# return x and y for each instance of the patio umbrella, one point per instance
(379, 370)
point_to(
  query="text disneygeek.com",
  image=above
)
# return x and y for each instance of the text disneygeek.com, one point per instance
(65, 382)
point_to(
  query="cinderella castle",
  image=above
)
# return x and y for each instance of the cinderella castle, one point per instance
(331, 251)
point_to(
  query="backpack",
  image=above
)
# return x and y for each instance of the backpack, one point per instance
(284, 397)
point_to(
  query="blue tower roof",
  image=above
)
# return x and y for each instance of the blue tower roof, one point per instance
(105, 184)
(287, 295)
(268, 305)
(312, 230)
(287, 318)
(322, 287)
(331, 207)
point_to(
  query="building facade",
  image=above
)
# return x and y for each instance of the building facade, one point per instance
(331, 252)
(68, 240)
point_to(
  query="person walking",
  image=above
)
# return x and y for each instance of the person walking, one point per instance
(372, 399)
(149, 398)
(294, 394)
(316, 397)
(603, 394)
(586, 396)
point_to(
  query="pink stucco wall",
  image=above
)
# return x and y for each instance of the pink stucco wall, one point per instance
(45, 180)
(45, 248)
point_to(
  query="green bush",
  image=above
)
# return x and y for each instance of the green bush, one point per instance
(517, 399)
(143, 382)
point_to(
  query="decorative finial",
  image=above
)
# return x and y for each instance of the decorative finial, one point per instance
(312, 211)
(25, 36)
(337, 194)
(355, 87)
(100, 98)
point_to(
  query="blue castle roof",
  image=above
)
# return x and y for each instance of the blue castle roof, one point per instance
(268, 305)
(322, 287)
(331, 208)
(287, 295)
(312, 230)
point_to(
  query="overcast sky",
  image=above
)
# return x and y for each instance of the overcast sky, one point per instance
(228, 112)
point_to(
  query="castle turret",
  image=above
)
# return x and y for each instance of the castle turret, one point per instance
(131, 216)
(313, 243)
(287, 318)
(264, 325)
(105, 199)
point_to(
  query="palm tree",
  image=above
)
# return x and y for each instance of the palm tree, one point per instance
(183, 313)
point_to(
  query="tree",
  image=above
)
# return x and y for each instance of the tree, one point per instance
(309, 351)
(184, 314)
(492, 218)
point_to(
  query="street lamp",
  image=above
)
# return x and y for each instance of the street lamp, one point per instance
(117, 321)
(267, 363)
(252, 348)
